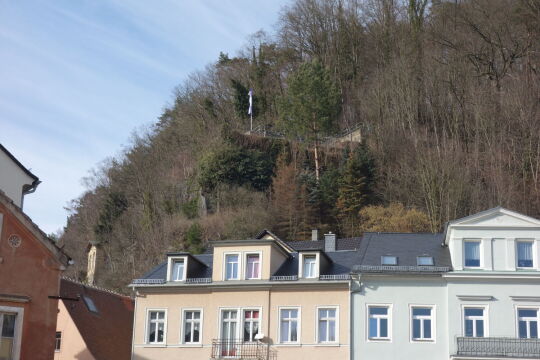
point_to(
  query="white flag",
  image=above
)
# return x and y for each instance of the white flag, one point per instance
(250, 110)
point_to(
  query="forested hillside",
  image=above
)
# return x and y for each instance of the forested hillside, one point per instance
(445, 95)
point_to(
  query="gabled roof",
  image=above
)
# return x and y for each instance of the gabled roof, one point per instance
(406, 247)
(16, 211)
(35, 179)
(106, 332)
(495, 218)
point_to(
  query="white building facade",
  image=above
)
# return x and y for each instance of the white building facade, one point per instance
(470, 293)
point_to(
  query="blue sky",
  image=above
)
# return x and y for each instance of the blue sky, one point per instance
(77, 77)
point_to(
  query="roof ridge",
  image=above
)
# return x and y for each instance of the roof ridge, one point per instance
(95, 287)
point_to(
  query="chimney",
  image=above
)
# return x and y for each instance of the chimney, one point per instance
(314, 235)
(329, 242)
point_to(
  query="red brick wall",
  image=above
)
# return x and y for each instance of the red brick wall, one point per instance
(30, 270)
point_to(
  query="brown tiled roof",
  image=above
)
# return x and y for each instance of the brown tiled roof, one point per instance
(107, 332)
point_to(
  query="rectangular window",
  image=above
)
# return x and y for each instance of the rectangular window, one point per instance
(288, 325)
(327, 319)
(472, 253)
(474, 321)
(253, 266)
(192, 326)
(251, 324)
(424, 261)
(309, 266)
(379, 322)
(422, 323)
(58, 343)
(7, 335)
(524, 254)
(177, 271)
(231, 267)
(528, 323)
(388, 260)
(156, 327)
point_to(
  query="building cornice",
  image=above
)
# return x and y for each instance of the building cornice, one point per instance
(492, 275)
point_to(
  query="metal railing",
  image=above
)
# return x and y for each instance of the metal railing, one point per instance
(284, 278)
(198, 280)
(499, 347)
(398, 268)
(335, 277)
(238, 349)
(148, 281)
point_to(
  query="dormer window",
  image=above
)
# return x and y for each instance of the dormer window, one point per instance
(309, 265)
(472, 253)
(524, 254)
(388, 260)
(424, 260)
(231, 266)
(177, 267)
(253, 266)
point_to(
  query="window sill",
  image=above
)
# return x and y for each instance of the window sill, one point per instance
(155, 345)
(289, 344)
(198, 345)
(423, 341)
(333, 344)
(379, 340)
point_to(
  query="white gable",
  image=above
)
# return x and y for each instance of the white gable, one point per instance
(496, 218)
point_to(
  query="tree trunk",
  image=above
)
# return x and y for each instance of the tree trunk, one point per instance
(317, 175)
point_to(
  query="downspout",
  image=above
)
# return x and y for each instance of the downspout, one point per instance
(133, 330)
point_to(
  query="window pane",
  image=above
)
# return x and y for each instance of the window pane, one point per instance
(424, 260)
(524, 250)
(196, 330)
(8, 327)
(534, 329)
(378, 311)
(332, 331)
(522, 329)
(252, 268)
(384, 328)
(187, 332)
(472, 253)
(178, 270)
(527, 313)
(294, 335)
(416, 329)
(323, 331)
(468, 328)
(427, 329)
(480, 328)
(474, 312)
(284, 331)
(421, 311)
(372, 328)
(389, 260)
(152, 337)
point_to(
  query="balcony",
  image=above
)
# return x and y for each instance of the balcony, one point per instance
(498, 347)
(237, 349)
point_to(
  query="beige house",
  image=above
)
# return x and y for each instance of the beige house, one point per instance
(93, 323)
(251, 299)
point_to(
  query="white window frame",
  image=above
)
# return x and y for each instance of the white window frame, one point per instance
(17, 334)
(224, 270)
(432, 317)
(243, 320)
(317, 319)
(534, 252)
(170, 261)
(485, 318)
(298, 326)
(147, 328)
(388, 316)
(183, 326)
(244, 268)
(301, 264)
(520, 307)
(239, 320)
(480, 250)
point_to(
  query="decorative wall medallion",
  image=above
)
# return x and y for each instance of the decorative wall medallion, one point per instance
(14, 241)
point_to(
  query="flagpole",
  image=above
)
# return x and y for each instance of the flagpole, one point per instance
(251, 122)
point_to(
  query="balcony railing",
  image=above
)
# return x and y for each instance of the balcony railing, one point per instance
(237, 349)
(499, 347)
